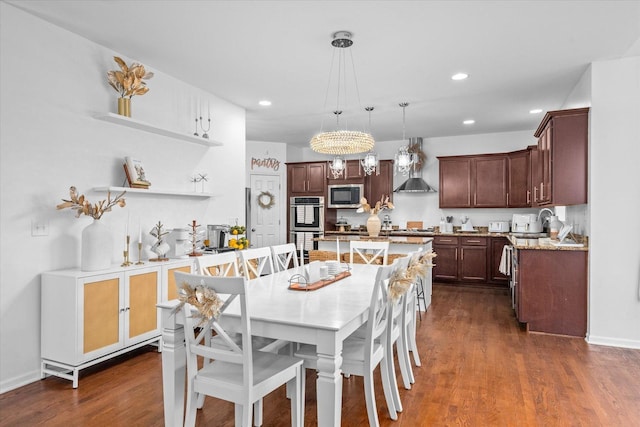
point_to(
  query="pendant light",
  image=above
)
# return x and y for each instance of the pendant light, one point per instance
(404, 160)
(341, 142)
(370, 163)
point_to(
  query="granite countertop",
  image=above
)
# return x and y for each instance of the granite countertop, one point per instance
(406, 240)
(480, 231)
(544, 244)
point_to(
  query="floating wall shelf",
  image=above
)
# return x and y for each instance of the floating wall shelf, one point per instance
(153, 192)
(146, 127)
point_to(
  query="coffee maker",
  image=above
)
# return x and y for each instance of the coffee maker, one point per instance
(218, 235)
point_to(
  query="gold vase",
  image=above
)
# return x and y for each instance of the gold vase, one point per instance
(124, 107)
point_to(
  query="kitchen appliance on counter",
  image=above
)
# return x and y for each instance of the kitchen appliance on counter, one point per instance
(386, 223)
(218, 235)
(526, 223)
(499, 226)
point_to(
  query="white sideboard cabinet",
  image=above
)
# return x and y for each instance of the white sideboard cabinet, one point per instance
(89, 317)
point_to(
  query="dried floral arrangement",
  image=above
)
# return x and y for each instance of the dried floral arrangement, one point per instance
(203, 298)
(401, 280)
(83, 206)
(129, 81)
(380, 205)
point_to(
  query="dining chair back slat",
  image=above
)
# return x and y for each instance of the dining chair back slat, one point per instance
(222, 264)
(257, 262)
(369, 252)
(284, 256)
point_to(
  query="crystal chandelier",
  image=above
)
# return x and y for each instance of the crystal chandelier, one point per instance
(341, 142)
(370, 163)
(337, 167)
(404, 160)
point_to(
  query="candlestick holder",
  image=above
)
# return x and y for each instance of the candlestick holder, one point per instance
(139, 254)
(125, 253)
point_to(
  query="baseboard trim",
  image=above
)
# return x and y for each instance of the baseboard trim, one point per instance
(19, 381)
(613, 342)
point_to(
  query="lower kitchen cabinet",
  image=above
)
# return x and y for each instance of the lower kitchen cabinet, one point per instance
(469, 259)
(169, 286)
(551, 288)
(89, 317)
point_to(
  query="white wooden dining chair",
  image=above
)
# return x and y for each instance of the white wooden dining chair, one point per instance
(360, 356)
(222, 264)
(257, 262)
(284, 256)
(369, 252)
(237, 373)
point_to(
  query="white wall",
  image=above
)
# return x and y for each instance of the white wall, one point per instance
(424, 206)
(614, 256)
(52, 83)
(275, 154)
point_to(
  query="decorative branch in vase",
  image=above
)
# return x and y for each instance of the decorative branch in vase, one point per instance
(97, 242)
(128, 82)
(373, 222)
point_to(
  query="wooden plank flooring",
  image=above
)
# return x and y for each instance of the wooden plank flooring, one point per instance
(479, 369)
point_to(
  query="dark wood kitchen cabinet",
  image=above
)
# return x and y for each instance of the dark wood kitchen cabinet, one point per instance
(378, 185)
(473, 181)
(353, 174)
(562, 158)
(455, 182)
(552, 298)
(446, 262)
(461, 259)
(307, 179)
(519, 179)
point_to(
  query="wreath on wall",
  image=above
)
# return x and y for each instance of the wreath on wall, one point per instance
(266, 200)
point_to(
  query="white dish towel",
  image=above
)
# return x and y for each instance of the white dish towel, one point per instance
(505, 260)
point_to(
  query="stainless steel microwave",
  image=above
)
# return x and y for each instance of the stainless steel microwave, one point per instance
(345, 195)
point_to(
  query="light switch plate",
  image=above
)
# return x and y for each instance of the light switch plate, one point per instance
(39, 228)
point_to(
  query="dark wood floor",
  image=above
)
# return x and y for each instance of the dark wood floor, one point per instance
(479, 369)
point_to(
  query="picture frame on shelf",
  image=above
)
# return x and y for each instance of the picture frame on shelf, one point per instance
(135, 172)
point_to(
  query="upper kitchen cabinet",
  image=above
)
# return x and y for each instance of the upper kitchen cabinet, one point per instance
(455, 182)
(307, 179)
(353, 174)
(378, 185)
(562, 158)
(519, 179)
(473, 181)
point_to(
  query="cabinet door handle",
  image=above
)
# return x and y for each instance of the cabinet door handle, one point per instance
(445, 240)
(535, 193)
(462, 254)
(507, 199)
(541, 190)
(475, 199)
(456, 254)
(473, 241)
(528, 196)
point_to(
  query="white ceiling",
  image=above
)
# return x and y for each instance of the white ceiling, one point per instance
(519, 55)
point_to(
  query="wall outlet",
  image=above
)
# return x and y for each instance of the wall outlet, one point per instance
(39, 228)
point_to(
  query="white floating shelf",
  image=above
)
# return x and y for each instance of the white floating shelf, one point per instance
(153, 192)
(146, 127)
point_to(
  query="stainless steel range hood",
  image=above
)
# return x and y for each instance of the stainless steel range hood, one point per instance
(415, 183)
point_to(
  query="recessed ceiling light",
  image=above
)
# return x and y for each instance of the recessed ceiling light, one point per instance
(459, 76)
(469, 122)
(265, 103)
(535, 111)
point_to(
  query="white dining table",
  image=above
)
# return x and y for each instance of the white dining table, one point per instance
(323, 317)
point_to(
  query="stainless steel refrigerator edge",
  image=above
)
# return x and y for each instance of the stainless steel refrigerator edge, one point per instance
(247, 214)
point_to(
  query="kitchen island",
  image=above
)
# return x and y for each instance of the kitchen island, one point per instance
(397, 244)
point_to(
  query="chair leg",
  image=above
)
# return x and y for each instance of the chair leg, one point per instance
(389, 392)
(192, 407)
(370, 399)
(413, 345)
(403, 359)
(257, 413)
(297, 397)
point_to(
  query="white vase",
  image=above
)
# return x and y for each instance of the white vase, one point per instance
(97, 247)
(373, 225)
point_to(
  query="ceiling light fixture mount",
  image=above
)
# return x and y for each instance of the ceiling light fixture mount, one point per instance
(341, 142)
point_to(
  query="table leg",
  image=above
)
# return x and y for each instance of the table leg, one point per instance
(173, 369)
(329, 387)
